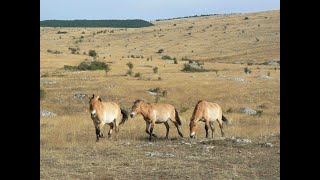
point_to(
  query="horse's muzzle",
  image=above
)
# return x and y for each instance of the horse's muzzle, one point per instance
(192, 136)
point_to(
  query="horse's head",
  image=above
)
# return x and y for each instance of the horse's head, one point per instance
(136, 108)
(94, 100)
(193, 128)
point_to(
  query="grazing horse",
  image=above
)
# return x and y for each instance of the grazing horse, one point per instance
(207, 112)
(106, 113)
(156, 113)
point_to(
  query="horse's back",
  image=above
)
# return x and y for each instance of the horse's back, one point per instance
(211, 109)
(163, 107)
(111, 105)
(164, 111)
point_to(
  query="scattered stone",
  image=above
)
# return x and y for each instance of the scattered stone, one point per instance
(45, 113)
(267, 145)
(80, 96)
(263, 77)
(233, 78)
(248, 111)
(272, 63)
(49, 82)
(158, 154)
(151, 92)
(242, 141)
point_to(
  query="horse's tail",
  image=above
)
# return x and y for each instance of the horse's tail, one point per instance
(177, 117)
(225, 120)
(124, 116)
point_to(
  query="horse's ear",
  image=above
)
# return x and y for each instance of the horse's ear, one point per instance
(99, 99)
(92, 95)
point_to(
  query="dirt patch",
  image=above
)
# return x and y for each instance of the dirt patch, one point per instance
(222, 158)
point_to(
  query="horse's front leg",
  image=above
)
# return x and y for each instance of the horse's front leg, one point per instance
(148, 127)
(97, 133)
(151, 129)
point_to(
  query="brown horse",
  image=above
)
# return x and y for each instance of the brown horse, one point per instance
(207, 112)
(106, 113)
(156, 113)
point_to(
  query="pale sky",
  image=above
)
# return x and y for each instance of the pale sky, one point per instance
(147, 9)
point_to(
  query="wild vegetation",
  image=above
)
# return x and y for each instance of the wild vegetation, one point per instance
(251, 147)
(134, 23)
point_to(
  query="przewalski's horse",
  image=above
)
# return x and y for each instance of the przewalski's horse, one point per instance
(207, 112)
(156, 114)
(106, 113)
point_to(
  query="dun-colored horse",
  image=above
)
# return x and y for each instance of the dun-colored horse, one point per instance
(106, 113)
(207, 112)
(156, 114)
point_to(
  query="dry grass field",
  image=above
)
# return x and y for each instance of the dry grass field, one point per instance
(226, 44)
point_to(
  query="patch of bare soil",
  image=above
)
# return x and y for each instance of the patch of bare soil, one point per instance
(222, 158)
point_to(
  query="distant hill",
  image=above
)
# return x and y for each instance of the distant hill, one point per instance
(134, 23)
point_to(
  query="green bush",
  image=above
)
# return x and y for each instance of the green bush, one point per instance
(92, 53)
(137, 74)
(89, 66)
(160, 51)
(130, 65)
(166, 57)
(259, 112)
(155, 70)
(189, 68)
(42, 93)
(247, 70)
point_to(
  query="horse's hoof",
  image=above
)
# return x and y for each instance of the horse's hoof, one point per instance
(154, 135)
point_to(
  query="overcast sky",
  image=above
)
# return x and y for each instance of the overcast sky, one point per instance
(147, 9)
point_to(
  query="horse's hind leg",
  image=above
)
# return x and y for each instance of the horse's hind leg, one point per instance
(151, 130)
(168, 127)
(207, 128)
(178, 128)
(212, 128)
(221, 127)
(110, 131)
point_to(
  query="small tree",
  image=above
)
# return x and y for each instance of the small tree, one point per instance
(130, 65)
(129, 72)
(247, 70)
(137, 74)
(155, 70)
(92, 53)
(160, 51)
